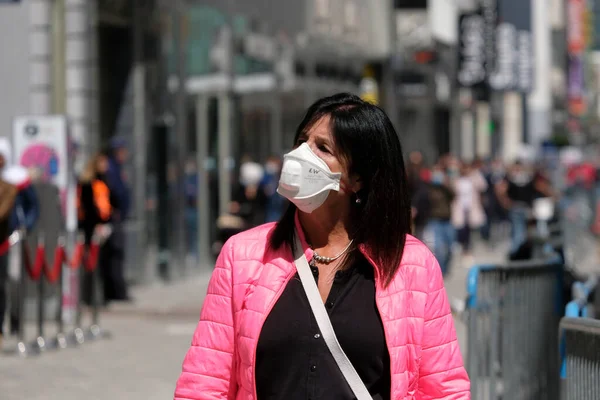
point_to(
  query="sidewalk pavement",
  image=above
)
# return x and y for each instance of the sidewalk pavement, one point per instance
(143, 358)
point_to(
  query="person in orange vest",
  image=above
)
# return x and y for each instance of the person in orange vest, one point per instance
(94, 209)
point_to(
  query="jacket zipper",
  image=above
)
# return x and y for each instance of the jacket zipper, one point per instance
(262, 322)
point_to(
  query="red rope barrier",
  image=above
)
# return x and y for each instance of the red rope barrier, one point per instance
(36, 270)
(92, 259)
(77, 259)
(52, 275)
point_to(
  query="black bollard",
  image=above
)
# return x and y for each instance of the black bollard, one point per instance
(21, 248)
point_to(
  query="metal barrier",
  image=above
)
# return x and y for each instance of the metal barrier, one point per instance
(513, 313)
(582, 344)
(36, 270)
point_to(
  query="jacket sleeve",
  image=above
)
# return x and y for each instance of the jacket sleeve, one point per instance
(441, 372)
(8, 195)
(208, 368)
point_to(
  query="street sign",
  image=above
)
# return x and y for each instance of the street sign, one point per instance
(472, 56)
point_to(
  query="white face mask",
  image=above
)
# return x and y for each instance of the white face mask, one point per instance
(306, 179)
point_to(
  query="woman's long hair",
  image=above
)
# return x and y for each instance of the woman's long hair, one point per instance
(90, 171)
(367, 142)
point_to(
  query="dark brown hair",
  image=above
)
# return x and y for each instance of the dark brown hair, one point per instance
(366, 140)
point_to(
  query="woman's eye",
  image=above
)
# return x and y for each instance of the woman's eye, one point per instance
(323, 149)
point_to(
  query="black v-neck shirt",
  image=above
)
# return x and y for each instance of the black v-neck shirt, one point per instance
(292, 359)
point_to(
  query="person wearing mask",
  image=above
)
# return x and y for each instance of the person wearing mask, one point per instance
(248, 196)
(516, 193)
(467, 208)
(26, 211)
(342, 251)
(19, 209)
(434, 204)
(94, 210)
(116, 180)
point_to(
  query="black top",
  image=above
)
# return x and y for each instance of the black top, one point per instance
(521, 191)
(292, 359)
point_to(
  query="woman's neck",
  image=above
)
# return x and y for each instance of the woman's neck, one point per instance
(326, 230)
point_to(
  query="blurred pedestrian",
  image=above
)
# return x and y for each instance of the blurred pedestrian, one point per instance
(380, 289)
(19, 199)
(433, 203)
(248, 195)
(517, 192)
(8, 194)
(413, 171)
(467, 208)
(116, 180)
(94, 210)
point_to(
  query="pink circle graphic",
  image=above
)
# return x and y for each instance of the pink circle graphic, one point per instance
(42, 158)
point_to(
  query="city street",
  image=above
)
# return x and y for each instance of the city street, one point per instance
(143, 358)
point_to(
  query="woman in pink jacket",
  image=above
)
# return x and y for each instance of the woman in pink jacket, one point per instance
(384, 297)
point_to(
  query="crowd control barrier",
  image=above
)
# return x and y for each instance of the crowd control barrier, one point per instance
(34, 269)
(513, 313)
(581, 380)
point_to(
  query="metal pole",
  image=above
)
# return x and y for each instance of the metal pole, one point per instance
(61, 340)
(388, 73)
(226, 113)
(40, 341)
(203, 202)
(224, 148)
(58, 57)
(140, 130)
(21, 346)
(181, 128)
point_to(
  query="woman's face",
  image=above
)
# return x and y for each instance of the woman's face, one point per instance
(320, 140)
(102, 165)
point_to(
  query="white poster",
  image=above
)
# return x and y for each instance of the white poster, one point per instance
(41, 144)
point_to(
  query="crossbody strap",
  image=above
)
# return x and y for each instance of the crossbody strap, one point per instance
(316, 304)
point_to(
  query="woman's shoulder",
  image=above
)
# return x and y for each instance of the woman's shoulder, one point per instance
(417, 254)
(419, 270)
(251, 244)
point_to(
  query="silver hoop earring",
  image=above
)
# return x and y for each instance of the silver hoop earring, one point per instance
(358, 201)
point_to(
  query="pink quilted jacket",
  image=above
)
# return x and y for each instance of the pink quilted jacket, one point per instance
(247, 281)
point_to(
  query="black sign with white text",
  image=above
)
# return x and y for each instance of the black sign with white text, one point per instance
(513, 69)
(472, 53)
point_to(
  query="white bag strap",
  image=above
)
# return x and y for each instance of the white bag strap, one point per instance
(316, 304)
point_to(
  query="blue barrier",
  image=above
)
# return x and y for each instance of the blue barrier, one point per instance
(577, 308)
